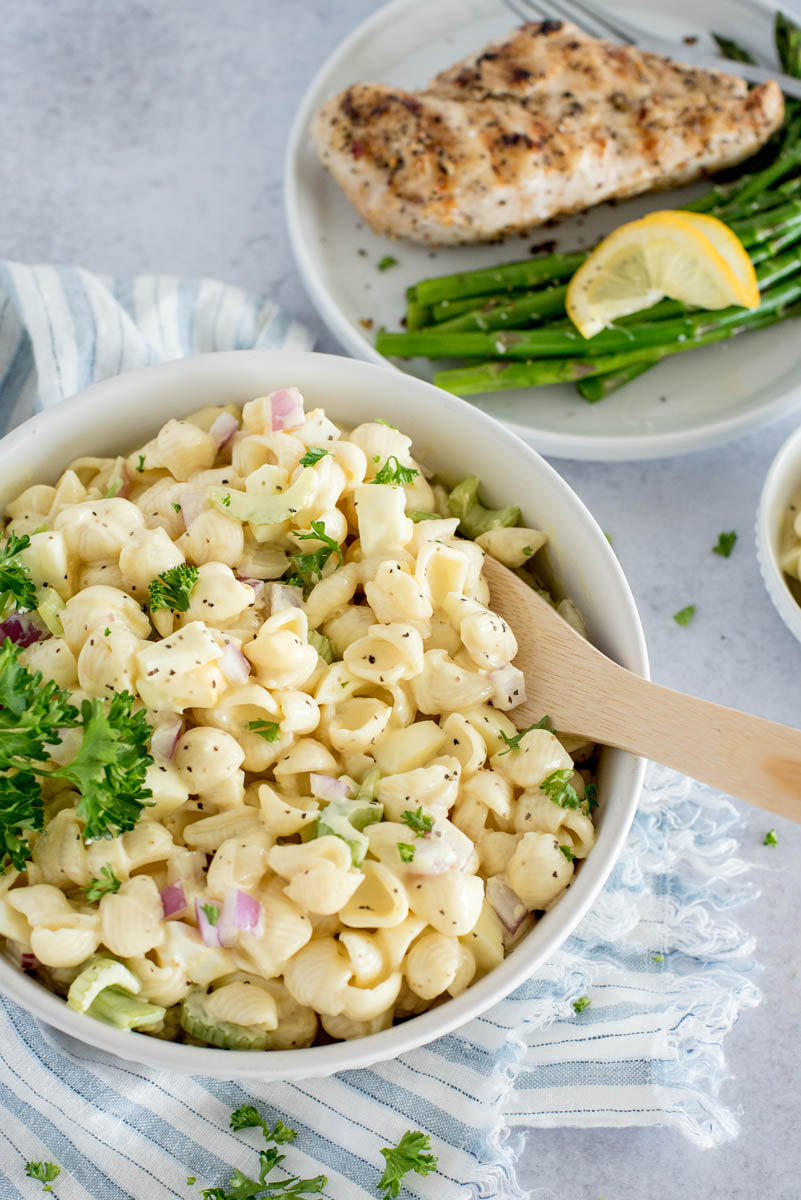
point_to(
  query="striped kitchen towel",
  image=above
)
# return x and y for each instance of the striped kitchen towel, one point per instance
(663, 964)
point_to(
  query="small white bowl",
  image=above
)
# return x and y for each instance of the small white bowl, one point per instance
(783, 480)
(455, 439)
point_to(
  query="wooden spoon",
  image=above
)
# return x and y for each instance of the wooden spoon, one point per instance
(585, 693)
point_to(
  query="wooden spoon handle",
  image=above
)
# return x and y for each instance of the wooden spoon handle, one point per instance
(746, 756)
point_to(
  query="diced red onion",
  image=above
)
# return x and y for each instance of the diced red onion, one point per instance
(209, 932)
(256, 584)
(23, 629)
(223, 429)
(286, 409)
(192, 505)
(325, 787)
(21, 956)
(126, 481)
(241, 913)
(509, 687)
(282, 597)
(509, 908)
(233, 664)
(173, 899)
(166, 733)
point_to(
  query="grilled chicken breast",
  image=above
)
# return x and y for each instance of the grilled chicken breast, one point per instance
(541, 124)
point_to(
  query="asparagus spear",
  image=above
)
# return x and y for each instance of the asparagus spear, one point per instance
(787, 36)
(508, 277)
(416, 314)
(498, 376)
(561, 343)
(598, 386)
(731, 49)
(527, 309)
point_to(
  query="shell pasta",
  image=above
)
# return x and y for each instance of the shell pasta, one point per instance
(337, 823)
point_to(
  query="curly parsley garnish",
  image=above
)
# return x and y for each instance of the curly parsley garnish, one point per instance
(513, 743)
(17, 589)
(417, 821)
(309, 567)
(106, 885)
(312, 456)
(108, 770)
(406, 1156)
(725, 544)
(269, 730)
(43, 1172)
(172, 588)
(242, 1187)
(396, 474)
(406, 852)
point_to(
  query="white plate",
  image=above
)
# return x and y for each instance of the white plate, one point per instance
(690, 402)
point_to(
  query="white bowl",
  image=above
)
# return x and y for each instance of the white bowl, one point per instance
(454, 438)
(782, 481)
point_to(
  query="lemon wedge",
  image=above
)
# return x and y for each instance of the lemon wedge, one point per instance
(686, 256)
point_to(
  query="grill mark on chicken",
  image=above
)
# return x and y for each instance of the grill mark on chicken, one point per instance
(540, 124)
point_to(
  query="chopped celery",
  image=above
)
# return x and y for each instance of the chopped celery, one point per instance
(267, 510)
(474, 517)
(48, 605)
(195, 1021)
(322, 645)
(346, 819)
(99, 973)
(366, 789)
(118, 1007)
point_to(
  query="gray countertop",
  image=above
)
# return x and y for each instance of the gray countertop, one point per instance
(145, 136)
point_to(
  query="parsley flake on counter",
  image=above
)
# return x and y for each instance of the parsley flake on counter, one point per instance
(657, 958)
(190, 1179)
(44, 1173)
(386, 262)
(513, 743)
(684, 615)
(406, 1156)
(17, 589)
(725, 544)
(568, 853)
(173, 588)
(582, 1003)
(312, 456)
(396, 474)
(106, 885)
(406, 852)
(770, 838)
(242, 1187)
(269, 730)
(417, 822)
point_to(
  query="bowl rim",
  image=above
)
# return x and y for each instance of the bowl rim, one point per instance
(554, 927)
(769, 513)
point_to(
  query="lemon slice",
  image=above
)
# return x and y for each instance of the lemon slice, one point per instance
(685, 256)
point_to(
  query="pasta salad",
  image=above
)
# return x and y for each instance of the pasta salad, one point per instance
(258, 784)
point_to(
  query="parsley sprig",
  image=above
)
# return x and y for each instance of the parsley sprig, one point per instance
(106, 885)
(269, 730)
(108, 771)
(44, 1173)
(725, 544)
(173, 588)
(418, 821)
(406, 852)
(513, 743)
(17, 589)
(407, 1156)
(243, 1187)
(312, 456)
(309, 567)
(396, 474)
